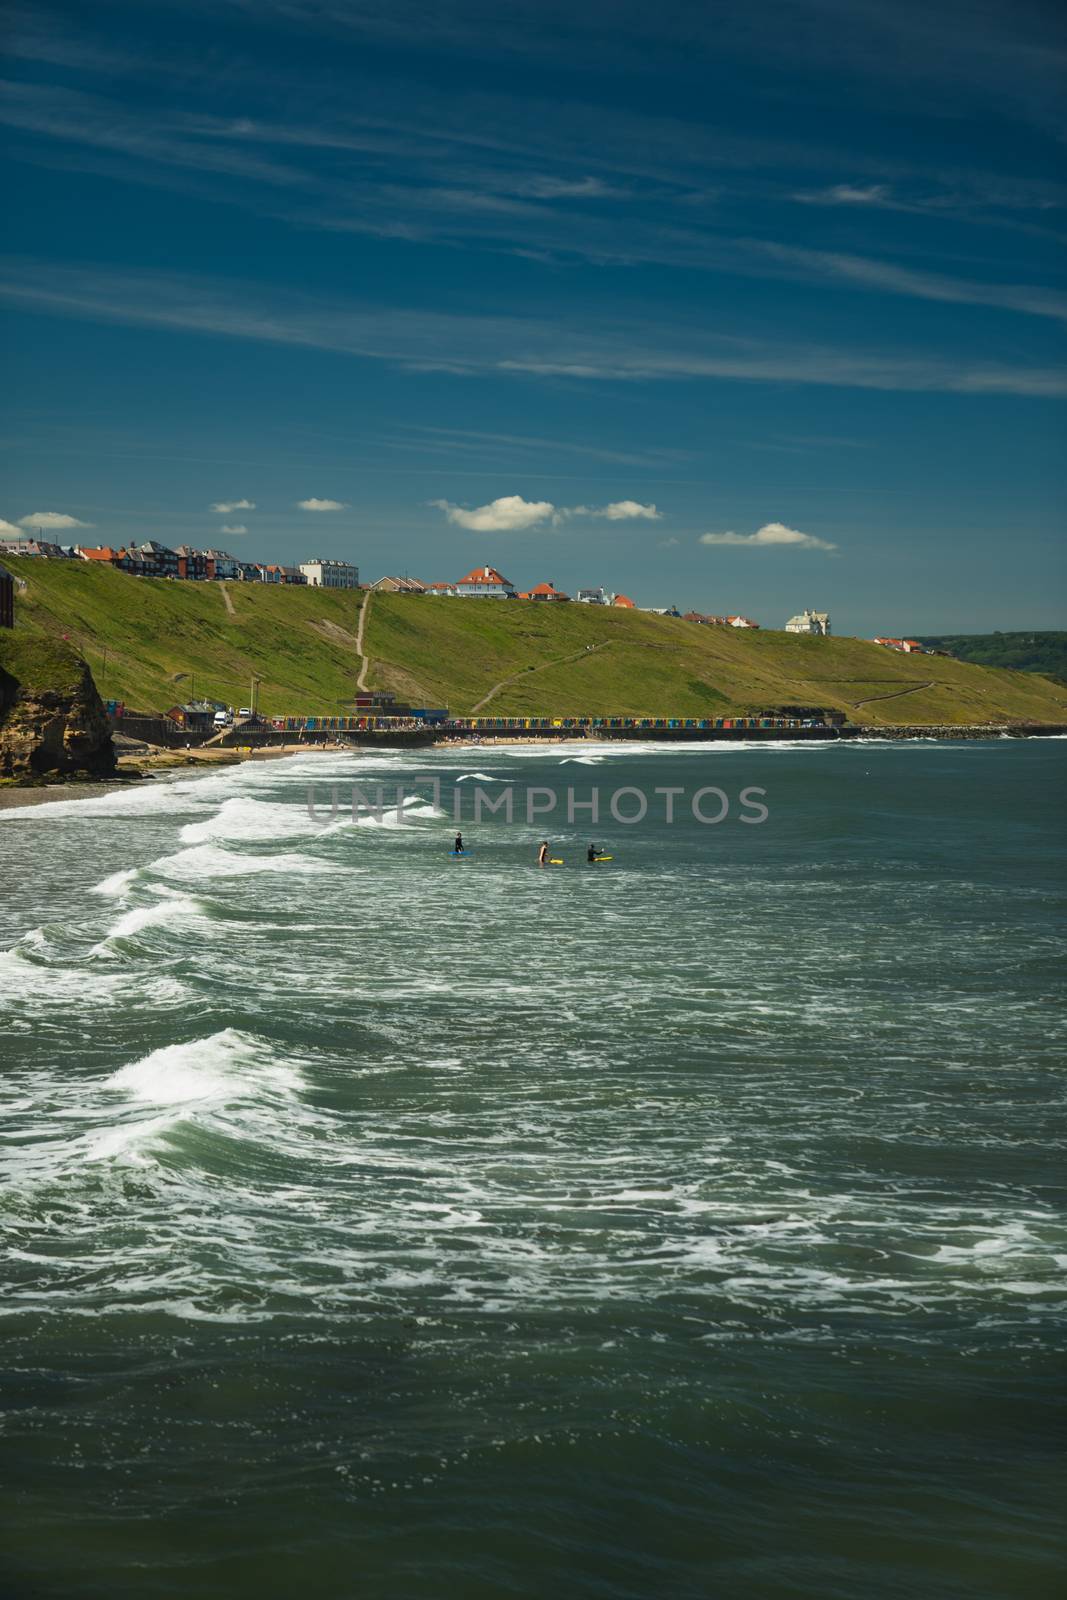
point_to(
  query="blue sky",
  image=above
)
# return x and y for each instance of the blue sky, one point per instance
(740, 308)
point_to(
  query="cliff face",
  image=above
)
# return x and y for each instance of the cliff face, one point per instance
(52, 721)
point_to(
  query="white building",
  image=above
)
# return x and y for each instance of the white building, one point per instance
(741, 622)
(485, 583)
(810, 622)
(591, 597)
(322, 574)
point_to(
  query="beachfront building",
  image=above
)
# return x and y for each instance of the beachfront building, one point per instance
(741, 622)
(329, 574)
(624, 601)
(441, 589)
(591, 597)
(485, 583)
(544, 591)
(810, 622)
(392, 585)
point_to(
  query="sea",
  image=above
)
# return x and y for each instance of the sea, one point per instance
(387, 1223)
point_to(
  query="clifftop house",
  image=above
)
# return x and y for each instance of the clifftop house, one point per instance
(391, 585)
(322, 573)
(908, 647)
(484, 583)
(810, 622)
(544, 591)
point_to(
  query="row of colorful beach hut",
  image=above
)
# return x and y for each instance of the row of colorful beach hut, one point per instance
(356, 724)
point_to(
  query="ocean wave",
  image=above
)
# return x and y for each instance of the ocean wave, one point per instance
(207, 861)
(139, 918)
(226, 1065)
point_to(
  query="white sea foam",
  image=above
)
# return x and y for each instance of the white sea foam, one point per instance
(226, 1065)
(136, 920)
(42, 986)
(242, 817)
(206, 861)
(115, 887)
(479, 777)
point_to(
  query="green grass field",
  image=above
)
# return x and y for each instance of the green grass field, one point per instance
(152, 642)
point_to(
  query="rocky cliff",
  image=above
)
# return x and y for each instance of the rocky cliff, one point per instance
(52, 721)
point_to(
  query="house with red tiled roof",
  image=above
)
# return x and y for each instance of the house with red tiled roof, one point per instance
(908, 647)
(544, 591)
(485, 583)
(624, 601)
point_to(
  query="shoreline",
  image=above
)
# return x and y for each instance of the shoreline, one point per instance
(169, 765)
(158, 767)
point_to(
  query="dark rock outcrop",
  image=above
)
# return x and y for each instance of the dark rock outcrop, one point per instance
(52, 721)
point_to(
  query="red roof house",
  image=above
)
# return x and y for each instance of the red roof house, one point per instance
(544, 591)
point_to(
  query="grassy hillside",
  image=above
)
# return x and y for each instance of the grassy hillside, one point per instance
(1025, 652)
(150, 641)
(442, 652)
(37, 663)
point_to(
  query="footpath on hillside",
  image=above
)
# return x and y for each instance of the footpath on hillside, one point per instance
(587, 650)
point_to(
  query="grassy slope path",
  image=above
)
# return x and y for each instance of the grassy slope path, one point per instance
(894, 694)
(364, 611)
(144, 638)
(578, 656)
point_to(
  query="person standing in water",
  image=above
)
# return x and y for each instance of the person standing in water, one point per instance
(458, 846)
(542, 854)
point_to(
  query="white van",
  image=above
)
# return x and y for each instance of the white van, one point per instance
(221, 719)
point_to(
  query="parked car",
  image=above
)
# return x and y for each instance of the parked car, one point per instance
(222, 719)
(246, 711)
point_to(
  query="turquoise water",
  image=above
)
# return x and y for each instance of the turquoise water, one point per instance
(688, 1225)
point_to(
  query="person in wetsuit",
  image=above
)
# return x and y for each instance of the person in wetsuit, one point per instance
(592, 853)
(458, 846)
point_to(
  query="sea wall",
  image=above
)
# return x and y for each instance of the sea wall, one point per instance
(987, 730)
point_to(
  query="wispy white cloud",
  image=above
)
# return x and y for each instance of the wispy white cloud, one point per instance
(870, 273)
(10, 529)
(322, 505)
(847, 194)
(52, 521)
(235, 527)
(625, 511)
(224, 507)
(420, 341)
(509, 514)
(772, 536)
